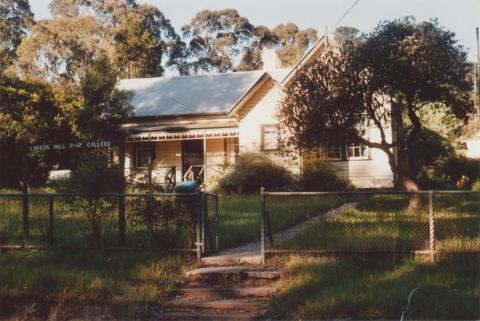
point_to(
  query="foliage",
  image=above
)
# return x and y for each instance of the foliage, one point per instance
(253, 171)
(168, 221)
(29, 114)
(458, 169)
(402, 63)
(134, 38)
(292, 42)
(428, 149)
(93, 177)
(15, 18)
(142, 39)
(104, 107)
(320, 175)
(214, 39)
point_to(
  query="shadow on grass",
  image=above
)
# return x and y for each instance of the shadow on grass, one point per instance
(362, 288)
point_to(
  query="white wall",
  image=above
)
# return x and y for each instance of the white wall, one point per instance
(260, 110)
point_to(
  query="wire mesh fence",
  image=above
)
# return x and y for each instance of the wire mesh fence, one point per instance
(371, 222)
(157, 221)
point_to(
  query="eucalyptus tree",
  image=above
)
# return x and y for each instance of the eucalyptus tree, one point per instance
(216, 40)
(15, 18)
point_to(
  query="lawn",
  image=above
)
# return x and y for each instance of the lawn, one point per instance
(128, 285)
(377, 287)
(239, 217)
(341, 288)
(386, 223)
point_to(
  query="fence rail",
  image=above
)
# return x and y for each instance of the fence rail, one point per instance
(370, 222)
(167, 221)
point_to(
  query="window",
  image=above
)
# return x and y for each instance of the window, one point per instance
(332, 151)
(269, 137)
(143, 154)
(357, 151)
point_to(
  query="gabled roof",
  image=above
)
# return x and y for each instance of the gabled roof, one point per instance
(206, 94)
(187, 95)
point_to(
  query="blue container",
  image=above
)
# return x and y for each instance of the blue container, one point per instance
(186, 187)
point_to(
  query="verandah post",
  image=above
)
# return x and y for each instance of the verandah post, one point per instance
(431, 219)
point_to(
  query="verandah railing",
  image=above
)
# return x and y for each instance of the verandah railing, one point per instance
(370, 222)
(165, 221)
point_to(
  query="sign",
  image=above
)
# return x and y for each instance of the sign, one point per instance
(70, 146)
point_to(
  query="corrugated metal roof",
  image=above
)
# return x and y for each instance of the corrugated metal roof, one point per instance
(183, 95)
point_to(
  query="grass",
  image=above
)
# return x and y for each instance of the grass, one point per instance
(385, 223)
(378, 288)
(315, 288)
(130, 284)
(239, 218)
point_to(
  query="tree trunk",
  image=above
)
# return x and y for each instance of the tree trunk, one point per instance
(411, 186)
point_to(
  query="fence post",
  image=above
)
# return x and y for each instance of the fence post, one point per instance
(25, 205)
(121, 220)
(431, 219)
(262, 225)
(50, 219)
(198, 222)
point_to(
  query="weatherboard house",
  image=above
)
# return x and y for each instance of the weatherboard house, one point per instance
(195, 127)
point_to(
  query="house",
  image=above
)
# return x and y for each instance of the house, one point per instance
(195, 127)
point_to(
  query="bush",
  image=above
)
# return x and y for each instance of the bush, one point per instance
(93, 176)
(461, 171)
(253, 171)
(319, 175)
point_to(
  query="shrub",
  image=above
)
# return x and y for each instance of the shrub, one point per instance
(92, 176)
(253, 171)
(459, 170)
(319, 175)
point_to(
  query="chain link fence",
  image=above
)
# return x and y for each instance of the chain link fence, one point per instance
(367, 222)
(165, 221)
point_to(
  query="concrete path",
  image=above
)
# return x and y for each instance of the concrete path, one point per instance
(250, 253)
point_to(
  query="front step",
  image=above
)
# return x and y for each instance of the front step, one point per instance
(225, 260)
(226, 292)
(232, 271)
(204, 316)
(237, 305)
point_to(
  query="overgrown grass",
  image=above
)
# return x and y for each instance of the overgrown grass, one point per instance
(131, 284)
(386, 223)
(239, 219)
(314, 289)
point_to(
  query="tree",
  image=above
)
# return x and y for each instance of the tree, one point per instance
(215, 40)
(292, 42)
(142, 39)
(15, 18)
(137, 39)
(344, 35)
(388, 77)
(61, 49)
(103, 107)
(29, 114)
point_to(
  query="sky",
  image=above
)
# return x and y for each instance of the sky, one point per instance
(459, 16)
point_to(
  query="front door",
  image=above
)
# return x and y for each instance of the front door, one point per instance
(192, 155)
